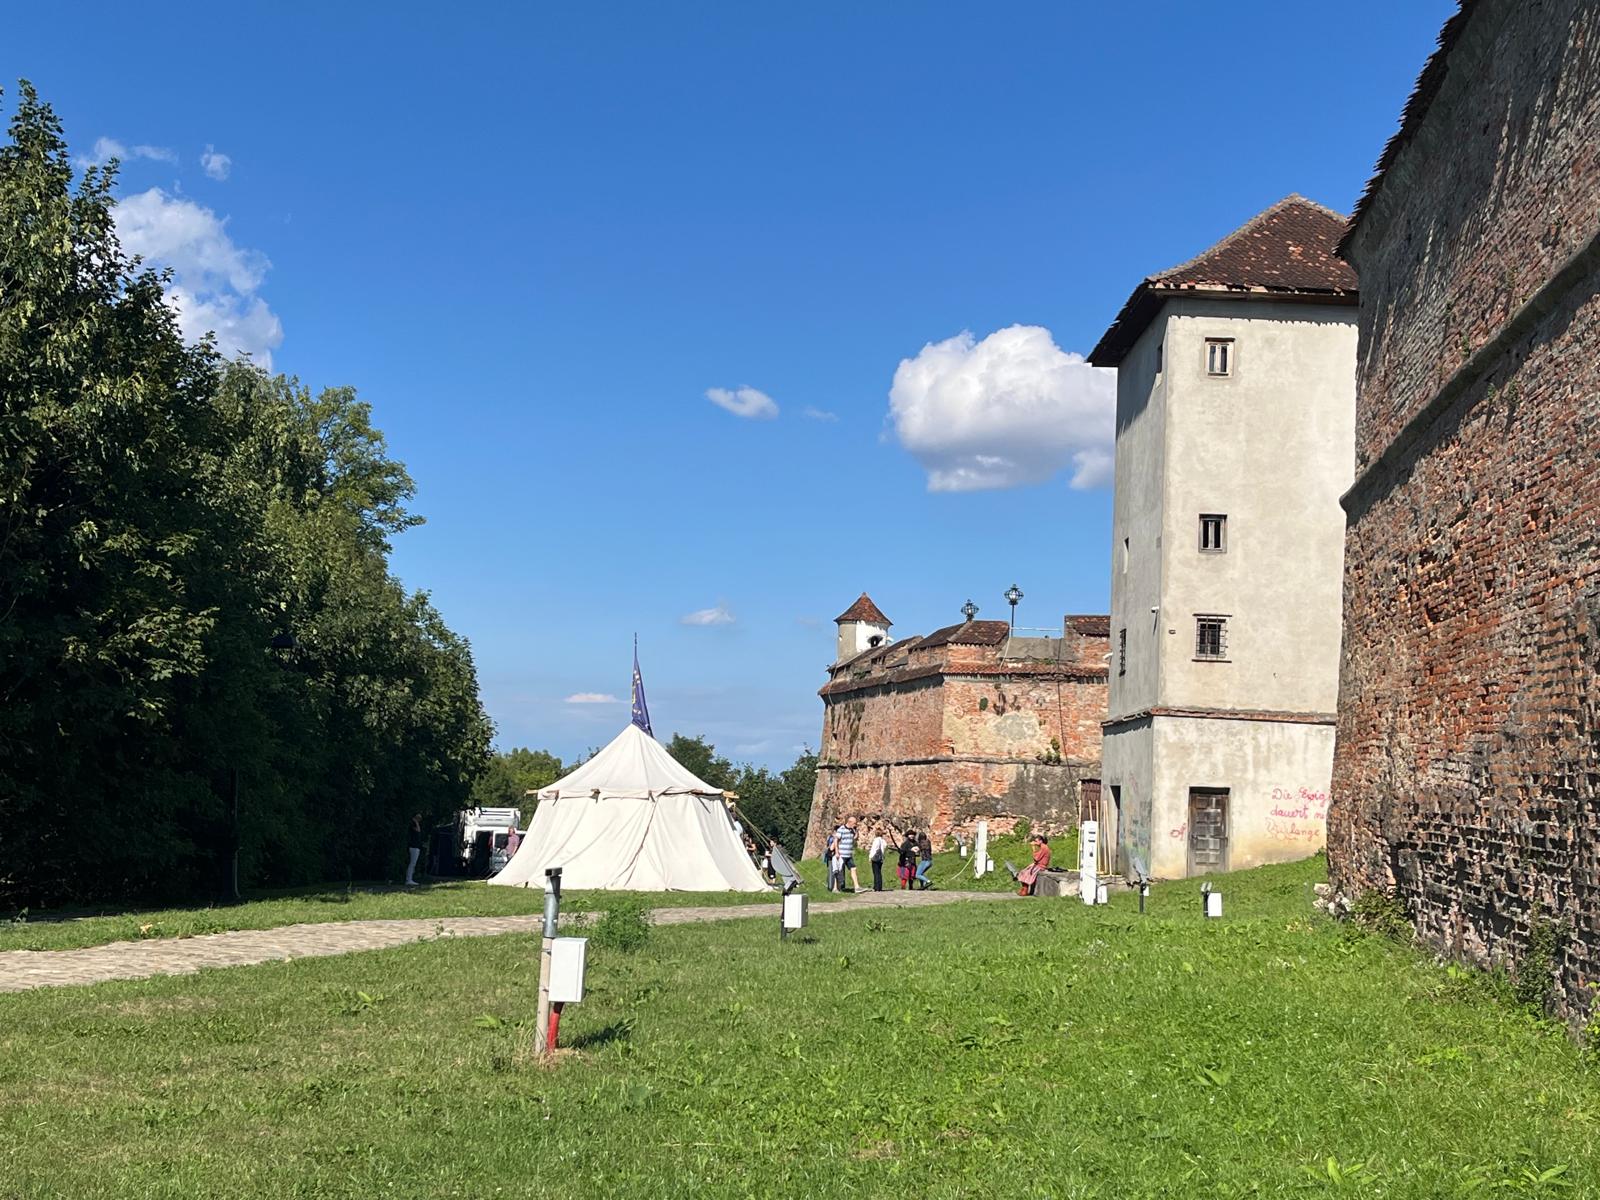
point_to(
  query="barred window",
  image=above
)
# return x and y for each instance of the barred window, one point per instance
(1122, 652)
(1211, 637)
(1219, 356)
(1214, 533)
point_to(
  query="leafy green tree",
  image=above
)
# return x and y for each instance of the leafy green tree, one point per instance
(511, 775)
(776, 805)
(701, 758)
(163, 517)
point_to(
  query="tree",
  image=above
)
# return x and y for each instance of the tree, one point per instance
(701, 759)
(163, 517)
(511, 775)
(776, 805)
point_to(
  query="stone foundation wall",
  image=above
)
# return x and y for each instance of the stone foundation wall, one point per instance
(948, 797)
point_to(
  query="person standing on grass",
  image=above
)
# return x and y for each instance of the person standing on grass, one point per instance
(827, 863)
(844, 853)
(924, 860)
(413, 849)
(908, 859)
(875, 857)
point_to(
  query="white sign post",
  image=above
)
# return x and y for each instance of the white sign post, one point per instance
(980, 851)
(1088, 861)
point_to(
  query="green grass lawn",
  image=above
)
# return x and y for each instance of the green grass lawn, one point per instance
(1035, 1048)
(455, 898)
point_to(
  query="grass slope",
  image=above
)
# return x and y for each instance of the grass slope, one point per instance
(1035, 1048)
(455, 898)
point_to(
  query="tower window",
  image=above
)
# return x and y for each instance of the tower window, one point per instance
(1124, 556)
(1214, 533)
(1211, 637)
(1219, 356)
(1122, 652)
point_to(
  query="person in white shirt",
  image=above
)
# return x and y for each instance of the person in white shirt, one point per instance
(875, 857)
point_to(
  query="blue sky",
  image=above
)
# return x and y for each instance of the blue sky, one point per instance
(536, 237)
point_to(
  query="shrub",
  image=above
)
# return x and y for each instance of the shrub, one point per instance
(1535, 977)
(1382, 914)
(624, 925)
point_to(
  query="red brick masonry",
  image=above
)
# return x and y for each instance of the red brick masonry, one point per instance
(1467, 771)
(966, 723)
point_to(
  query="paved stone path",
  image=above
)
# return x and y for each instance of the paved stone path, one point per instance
(21, 970)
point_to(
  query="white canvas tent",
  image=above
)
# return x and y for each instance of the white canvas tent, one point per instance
(633, 818)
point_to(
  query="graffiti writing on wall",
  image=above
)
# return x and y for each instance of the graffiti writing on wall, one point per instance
(1299, 804)
(1297, 814)
(1177, 834)
(1292, 831)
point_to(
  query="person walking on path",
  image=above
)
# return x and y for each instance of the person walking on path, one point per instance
(844, 853)
(875, 857)
(908, 859)
(924, 860)
(413, 849)
(827, 863)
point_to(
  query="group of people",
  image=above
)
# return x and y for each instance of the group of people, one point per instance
(914, 852)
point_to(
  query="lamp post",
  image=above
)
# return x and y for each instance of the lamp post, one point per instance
(969, 610)
(1013, 594)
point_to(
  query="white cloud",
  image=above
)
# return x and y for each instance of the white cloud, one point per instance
(592, 698)
(1009, 410)
(215, 164)
(817, 414)
(214, 281)
(708, 616)
(105, 149)
(744, 402)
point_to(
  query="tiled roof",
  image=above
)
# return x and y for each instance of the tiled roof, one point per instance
(968, 633)
(1090, 626)
(842, 685)
(1290, 250)
(1428, 84)
(863, 610)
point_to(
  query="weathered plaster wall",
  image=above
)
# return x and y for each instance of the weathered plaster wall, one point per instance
(1467, 771)
(1276, 774)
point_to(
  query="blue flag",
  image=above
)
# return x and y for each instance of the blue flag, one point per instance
(641, 710)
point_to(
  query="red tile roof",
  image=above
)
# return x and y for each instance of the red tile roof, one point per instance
(863, 610)
(968, 633)
(1290, 250)
(1090, 626)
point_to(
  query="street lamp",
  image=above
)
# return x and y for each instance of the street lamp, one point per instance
(1013, 594)
(969, 610)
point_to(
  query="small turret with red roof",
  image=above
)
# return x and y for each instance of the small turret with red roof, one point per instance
(862, 627)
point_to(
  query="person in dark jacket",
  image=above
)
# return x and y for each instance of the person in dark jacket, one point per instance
(908, 859)
(413, 849)
(924, 859)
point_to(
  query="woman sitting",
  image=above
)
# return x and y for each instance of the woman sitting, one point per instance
(1028, 877)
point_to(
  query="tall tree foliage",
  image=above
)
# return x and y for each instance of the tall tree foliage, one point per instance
(777, 805)
(163, 517)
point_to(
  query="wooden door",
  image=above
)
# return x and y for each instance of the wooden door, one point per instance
(1208, 830)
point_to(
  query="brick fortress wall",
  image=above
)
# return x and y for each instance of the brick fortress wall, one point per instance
(1467, 774)
(937, 733)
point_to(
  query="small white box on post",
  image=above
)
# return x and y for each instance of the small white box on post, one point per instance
(1210, 901)
(794, 915)
(568, 960)
(1088, 861)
